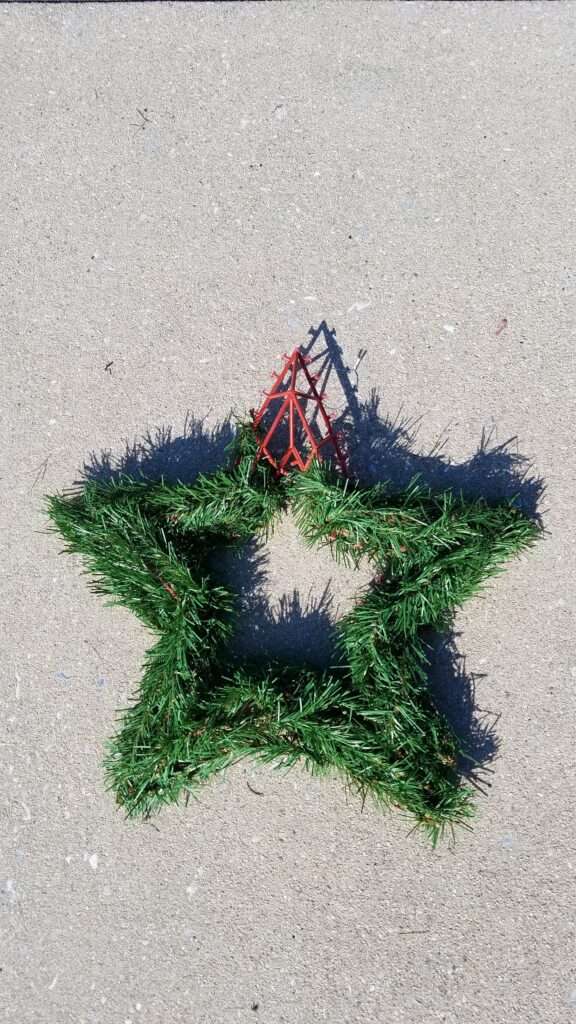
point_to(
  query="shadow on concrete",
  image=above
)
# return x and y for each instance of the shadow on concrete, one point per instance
(163, 452)
(296, 627)
(380, 448)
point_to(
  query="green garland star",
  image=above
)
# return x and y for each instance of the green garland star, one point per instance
(200, 710)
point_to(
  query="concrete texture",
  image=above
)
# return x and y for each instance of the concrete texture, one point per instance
(406, 172)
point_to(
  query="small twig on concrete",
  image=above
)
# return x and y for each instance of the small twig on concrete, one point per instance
(40, 471)
(145, 120)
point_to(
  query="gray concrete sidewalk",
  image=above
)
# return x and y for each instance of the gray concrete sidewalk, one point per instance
(187, 189)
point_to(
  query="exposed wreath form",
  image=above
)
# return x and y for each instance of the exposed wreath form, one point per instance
(371, 717)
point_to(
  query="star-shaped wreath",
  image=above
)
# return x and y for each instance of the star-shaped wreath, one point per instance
(370, 717)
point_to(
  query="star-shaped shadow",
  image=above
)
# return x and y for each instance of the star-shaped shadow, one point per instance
(288, 712)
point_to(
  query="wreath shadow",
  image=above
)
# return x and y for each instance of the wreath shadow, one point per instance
(380, 448)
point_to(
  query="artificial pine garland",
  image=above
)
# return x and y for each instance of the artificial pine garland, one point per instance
(371, 716)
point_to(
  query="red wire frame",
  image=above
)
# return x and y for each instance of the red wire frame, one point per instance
(290, 397)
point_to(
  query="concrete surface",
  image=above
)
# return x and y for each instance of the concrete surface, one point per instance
(405, 171)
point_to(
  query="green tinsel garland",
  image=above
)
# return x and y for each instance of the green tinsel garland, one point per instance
(371, 717)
